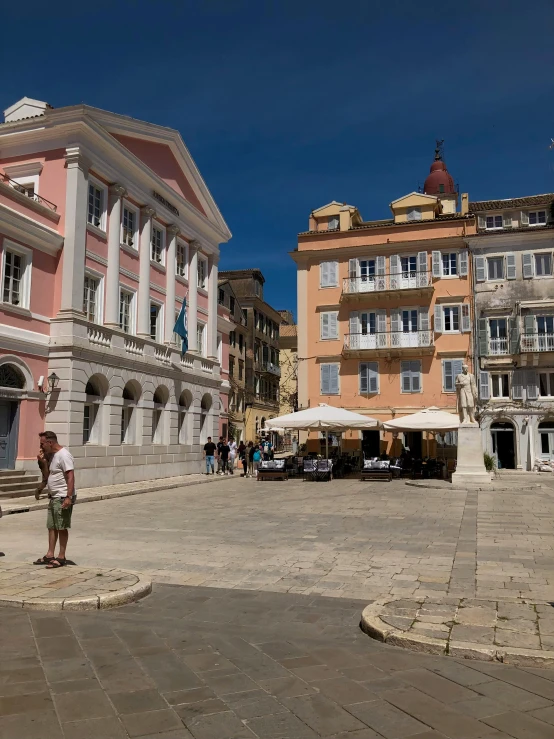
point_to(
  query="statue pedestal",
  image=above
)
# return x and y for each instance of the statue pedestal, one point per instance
(470, 468)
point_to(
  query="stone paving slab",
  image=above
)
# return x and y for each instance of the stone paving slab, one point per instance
(107, 492)
(69, 588)
(518, 633)
(274, 666)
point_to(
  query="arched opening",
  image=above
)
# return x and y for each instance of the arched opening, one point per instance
(11, 377)
(131, 395)
(185, 417)
(504, 444)
(205, 414)
(95, 392)
(546, 439)
(160, 399)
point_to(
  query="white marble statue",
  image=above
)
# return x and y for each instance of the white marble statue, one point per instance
(466, 391)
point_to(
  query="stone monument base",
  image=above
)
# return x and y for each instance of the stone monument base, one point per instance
(470, 468)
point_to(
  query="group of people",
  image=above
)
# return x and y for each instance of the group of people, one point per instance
(228, 454)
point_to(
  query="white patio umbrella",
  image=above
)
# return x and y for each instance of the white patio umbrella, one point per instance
(429, 419)
(323, 417)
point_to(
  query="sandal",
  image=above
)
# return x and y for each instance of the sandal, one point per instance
(55, 563)
(43, 560)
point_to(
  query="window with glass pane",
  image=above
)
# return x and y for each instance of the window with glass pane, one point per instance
(496, 268)
(95, 205)
(546, 384)
(155, 311)
(90, 298)
(157, 245)
(409, 320)
(125, 306)
(202, 273)
(494, 221)
(500, 385)
(367, 270)
(543, 264)
(545, 324)
(409, 266)
(13, 275)
(89, 413)
(537, 217)
(367, 321)
(126, 425)
(200, 338)
(410, 373)
(129, 225)
(451, 317)
(498, 335)
(231, 304)
(181, 260)
(449, 264)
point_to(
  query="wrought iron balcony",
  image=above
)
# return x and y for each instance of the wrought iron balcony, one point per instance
(29, 193)
(385, 343)
(356, 288)
(536, 343)
(269, 367)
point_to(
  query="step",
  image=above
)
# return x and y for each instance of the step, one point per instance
(9, 474)
(18, 489)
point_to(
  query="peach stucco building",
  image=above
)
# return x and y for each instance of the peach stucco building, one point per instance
(384, 308)
(106, 225)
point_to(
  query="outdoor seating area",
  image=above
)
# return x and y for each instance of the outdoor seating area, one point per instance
(272, 470)
(318, 470)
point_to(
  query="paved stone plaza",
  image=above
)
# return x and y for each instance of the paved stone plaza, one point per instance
(259, 634)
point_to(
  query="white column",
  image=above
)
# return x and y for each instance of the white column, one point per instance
(143, 322)
(75, 228)
(192, 302)
(172, 232)
(117, 192)
(212, 307)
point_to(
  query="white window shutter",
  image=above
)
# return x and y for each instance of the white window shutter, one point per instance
(325, 378)
(380, 265)
(448, 376)
(353, 268)
(517, 384)
(405, 376)
(333, 379)
(438, 319)
(364, 385)
(422, 261)
(395, 322)
(324, 274)
(527, 265)
(381, 314)
(333, 274)
(480, 273)
(333, 325)
(394, 271)
(484, 387)
(325, 325)
(532, 385)
(511, 266)
(436, 259)
(524, 218)
(466, 320)
(456, 369)
(463, 263)
(481, 221)
(415, 371)
(506, 220)
(354, 323)
(373, 377)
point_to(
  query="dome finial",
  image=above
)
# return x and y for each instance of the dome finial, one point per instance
(439, 150)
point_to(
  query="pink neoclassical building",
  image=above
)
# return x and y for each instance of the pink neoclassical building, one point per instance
(106, 225)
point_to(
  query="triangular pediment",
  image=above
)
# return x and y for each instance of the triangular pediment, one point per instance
(413, 199)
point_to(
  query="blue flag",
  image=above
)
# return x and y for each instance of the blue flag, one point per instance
(180, 327)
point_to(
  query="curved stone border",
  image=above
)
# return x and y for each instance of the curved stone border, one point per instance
(113, 599)
(374, 627)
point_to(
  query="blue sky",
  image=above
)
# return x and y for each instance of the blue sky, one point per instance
(288, 105)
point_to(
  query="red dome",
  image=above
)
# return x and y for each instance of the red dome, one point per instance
(439, 181)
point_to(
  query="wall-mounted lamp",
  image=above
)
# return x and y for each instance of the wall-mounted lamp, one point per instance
(53, 382)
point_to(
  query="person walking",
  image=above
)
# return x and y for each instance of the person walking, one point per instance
(224, 456)
(232, 455)
(61, 492)
(220, 445)
(241, 452)
(209, 455)
(256, 459)
(250, 454)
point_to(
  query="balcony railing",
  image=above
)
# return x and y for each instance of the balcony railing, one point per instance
(498, 346)
(270, 367)
(29, 192)
(388, 340)
(381, 283)
(537, 343)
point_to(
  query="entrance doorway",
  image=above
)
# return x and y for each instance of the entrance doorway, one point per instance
(371, 446)
(8, 434)
(413, 442)
(504, 445)
(546, 439)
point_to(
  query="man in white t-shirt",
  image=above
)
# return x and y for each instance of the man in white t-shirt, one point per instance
(61, 491)
(232, 454)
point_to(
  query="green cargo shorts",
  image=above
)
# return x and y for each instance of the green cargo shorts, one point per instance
(58, 518)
